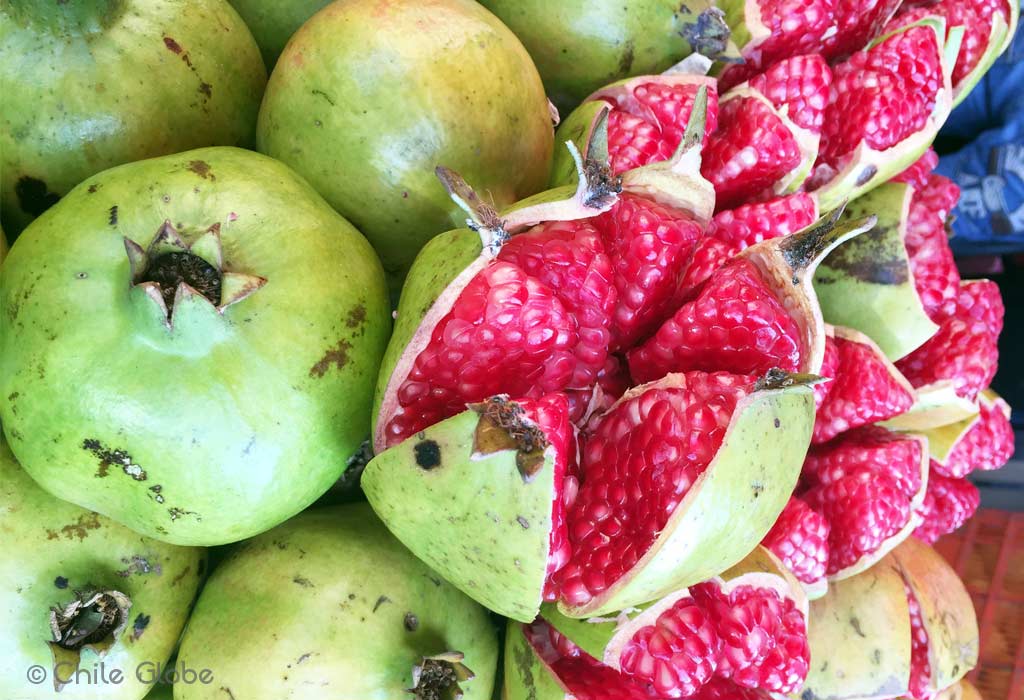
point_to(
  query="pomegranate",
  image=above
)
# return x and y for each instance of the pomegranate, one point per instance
(905, 627)
(370, 95)
(745, 629)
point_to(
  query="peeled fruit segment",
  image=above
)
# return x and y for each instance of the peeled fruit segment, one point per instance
(868, 484)
(886, 104)
(866, 388)
(984, 442)
(931, 259)
(964, 352)
(948, 504)
(799, 538)
(856, 23)
(647, 509)
(767, 31)
(746, 628)
(756, 312)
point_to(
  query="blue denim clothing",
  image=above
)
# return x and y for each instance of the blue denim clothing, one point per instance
(981, 148)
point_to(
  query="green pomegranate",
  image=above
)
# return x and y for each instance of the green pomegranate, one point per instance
(79, 592)
(272, 22)
(330, 606)
(582, 45)
(189, 345)
(371, 95)
(91, 84)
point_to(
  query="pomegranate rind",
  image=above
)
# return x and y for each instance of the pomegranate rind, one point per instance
(527, 676)
(473, 517)
(788, 265)
(946, 612)
(754, 473)
(866, 168)
(862, 629)
(676, 182)
(942, 440)
(605, 637)
(935, 405)
(867, 283)
(999, 40)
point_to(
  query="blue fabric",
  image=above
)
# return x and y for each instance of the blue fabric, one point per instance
(988, 164)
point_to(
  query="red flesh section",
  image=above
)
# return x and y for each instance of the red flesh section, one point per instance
(632, 482)
(754, 222)
(647, 125)
(829, 369)
(798, 86)
(920, 667)
(795, 26)
(864, 391)
(736, 324)
(677, 655)
(763, 636)
(506, 333)
(649, 245)
(948, 504)
(935, 274)
(569, 257)
(965, 348)
(800, 539)
(987, 445)
(857, 23)
(870, 450)
(917, 174)
(751, 152)
(864, 510)
(882, 95)
(976, 17)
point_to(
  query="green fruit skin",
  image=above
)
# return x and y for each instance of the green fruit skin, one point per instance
(370, 96)
(272, 22)
(46, 540)
(91, 84)
(317, 608)
(582, 45)
(242, 419)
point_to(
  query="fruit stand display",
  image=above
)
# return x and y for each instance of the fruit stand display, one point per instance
(535, 350)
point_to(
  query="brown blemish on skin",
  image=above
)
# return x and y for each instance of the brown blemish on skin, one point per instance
(139, 566)
(206, 90)
(428, 454)
(411, 622)
(304, 582)
(380, 601)
(356, 317)
(179, 577)
(34, 197)
(139, 626)
(337, 356)
(80, 528)
(112, 220)
(92, 188)
(871, 259)
(201, 168)
(108, 457)
(172, 45)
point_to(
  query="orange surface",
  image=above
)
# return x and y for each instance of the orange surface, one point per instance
(988, 553)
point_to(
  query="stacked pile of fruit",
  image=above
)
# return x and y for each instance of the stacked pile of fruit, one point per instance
(686, 418)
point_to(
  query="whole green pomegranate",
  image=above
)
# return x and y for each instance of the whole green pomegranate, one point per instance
(81, 593)
(90, 84)
(371, 95)
(582, 45)
(330, 606)
(189, 345)
(272, 22)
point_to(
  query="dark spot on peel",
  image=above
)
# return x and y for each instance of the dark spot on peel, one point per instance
(356, 317)
(337, 356)
(855, 624)
(172, 45)
(428, 454)
(523, 522)
(116, 457)
(206, 90)
(411, 622)
(33, 196)
(626, 60)
(112, 218)
(304, 582)
(866, 174)
(60, 582)
(139, 626)
(778, 423)
(201, 168)
(92, 188)
(380, 601)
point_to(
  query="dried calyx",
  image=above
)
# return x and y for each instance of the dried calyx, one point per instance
(438, 677)
(508, 427)
(170, 271)
(93, 620)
